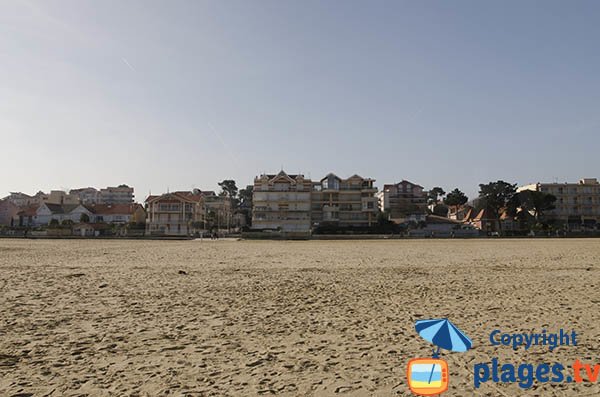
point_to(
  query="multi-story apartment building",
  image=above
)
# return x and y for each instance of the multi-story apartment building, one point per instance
(174, 214)
(403, 200)
(23, 200)
(281, 202)
(87, 195)
(576, 203)
(292, 203)
(343, 203)
(61, 197)
(121, 194)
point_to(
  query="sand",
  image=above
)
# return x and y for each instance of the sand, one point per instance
(105, 318)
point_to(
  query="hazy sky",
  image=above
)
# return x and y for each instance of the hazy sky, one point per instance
(182, 94)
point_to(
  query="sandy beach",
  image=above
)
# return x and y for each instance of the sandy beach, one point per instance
(323, 318)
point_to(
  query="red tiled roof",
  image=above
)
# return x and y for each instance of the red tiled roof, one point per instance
(181, 195)
(112, 209)
(29, 210)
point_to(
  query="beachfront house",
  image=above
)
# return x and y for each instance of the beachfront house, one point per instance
(403, 201)
(175, 214)
(117, 213)
(282, 202)
(577, 204)
(46, 212)
(8, 211)
(343, 203)
(292, 203)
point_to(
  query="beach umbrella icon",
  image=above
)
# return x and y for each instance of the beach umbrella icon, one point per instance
(443, 334)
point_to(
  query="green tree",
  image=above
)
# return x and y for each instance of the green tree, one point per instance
(440, 210)
(497, 195)
(53, 223)
(84, 218)
(245, 202)
(455, 198)
(228, 188)
(435, 195)
(245, 196)
(537, 203)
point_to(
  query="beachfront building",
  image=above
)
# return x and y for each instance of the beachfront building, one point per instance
(22, 200)
(116, 213)
(577, 204)
(403, 201)
(86, 195)
(54, 197)
(61, 197)
(175, 214)
(8, 211)
(26, 216)
(218, 209)
(292, 203)
(343, 203)
(121, 194)
(282, 202)
(461, 212)
(47, 212)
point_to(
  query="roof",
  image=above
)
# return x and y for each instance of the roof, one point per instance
(113, 209)
(483, 214)
(30, 210)
(61, 208)
(179, 196)
(331, 174)
(403, 182)
(469, 214)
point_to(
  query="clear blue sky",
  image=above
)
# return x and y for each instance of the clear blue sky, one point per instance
(182, 94)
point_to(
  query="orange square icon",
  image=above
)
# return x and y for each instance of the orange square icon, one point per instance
(427, 376)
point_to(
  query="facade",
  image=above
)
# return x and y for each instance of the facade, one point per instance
(282, 202)
(61, 197)
(116, 213)
(576, 203)
(460, 212)
(292, 203)
(403, 200)
(8, 211)
(218, 209)
(87, 195)
(43, 214)
(175, 214)
(23, 200)
(26, 216)
(344, 203)
(121, 194)
(65, 212)
(485, 221)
